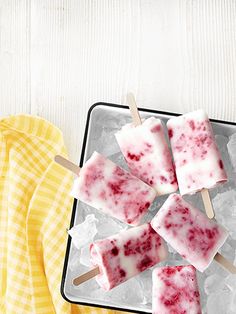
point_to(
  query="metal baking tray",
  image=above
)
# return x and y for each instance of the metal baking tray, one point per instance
(103, 121)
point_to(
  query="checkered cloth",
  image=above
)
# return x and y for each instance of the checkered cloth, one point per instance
(34, 214)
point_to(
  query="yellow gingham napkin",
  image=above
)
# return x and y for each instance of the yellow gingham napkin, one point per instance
(34, 214)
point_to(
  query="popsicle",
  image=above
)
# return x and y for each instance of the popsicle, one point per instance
(107, 187)
(175, 290)
(197, 159)
(124, 255)
(146, 152)
(194, 236)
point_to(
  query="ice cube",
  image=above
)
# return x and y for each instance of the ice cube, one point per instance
(216, 268)
(113, 121)
(110, 148)
(74, 260)
(195, 200)
(218, 303)
(108, 226)
(153, 209)
(230, 282)
(118, 159)
(84, 233)
(225, 210)
(213, 284)
(83, 210)
(204, 310)
(103, 138)
(145, 280)
(222, 145)
(130, 290)
(201, 278)
(170, 249)
(232, 150)
(85, 256)
(227, 249)
(233, 303)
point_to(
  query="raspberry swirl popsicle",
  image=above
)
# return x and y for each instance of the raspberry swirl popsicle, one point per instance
(147, 154)
(105, 186)
(194, 236)
(175, 290)
(197, 159)
(126, 254)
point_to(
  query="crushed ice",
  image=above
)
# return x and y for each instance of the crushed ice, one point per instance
(232, 150)
(225, 209)
(217, 287)
(84, 233)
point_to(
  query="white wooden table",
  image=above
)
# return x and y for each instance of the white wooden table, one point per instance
(58, 57)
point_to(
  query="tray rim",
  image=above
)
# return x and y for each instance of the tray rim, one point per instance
(68, 245)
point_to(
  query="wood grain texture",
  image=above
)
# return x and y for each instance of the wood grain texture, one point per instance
(59, 57)
(210, 42)
(82, 52)
(14, 57)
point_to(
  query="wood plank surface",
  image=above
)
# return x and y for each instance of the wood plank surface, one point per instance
(14, 57)
(59, 57)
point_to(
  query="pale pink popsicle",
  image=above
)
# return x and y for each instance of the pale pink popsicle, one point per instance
(197, 159)
(175, 290)
(105, 186)
(193, 235)
(127, 254)
(147, 154)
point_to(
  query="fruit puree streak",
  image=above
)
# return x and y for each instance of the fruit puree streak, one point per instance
(127, 254)
(195, 237)
(105, 186)
(175, 290)
(147, 154)
(197, 159)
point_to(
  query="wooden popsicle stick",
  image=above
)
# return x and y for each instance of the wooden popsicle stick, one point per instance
(67, 164)
(133, 109)
(207, 203)
(85, 277)
(225, 263)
